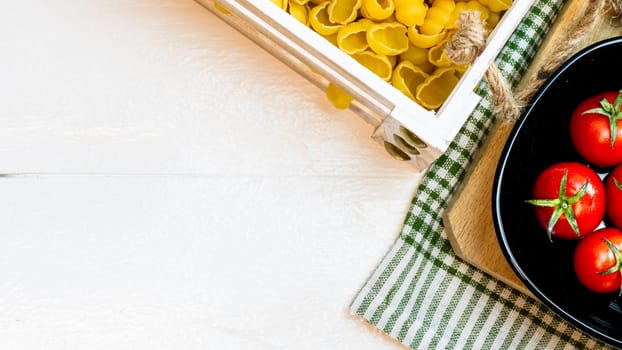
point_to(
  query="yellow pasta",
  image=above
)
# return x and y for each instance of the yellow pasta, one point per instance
(319, 21)
(478, 6)
(419, 57)
(437, 16)
(377, 9)
(392, 60)
(497, 5)
(299, 12)
(437, 56)
(423, 40)
(472, 5)
(434, 91)
(378, 64)
(352, 38)
(332, 38)
(493, 19)
(407, 77)
(410, 12)
(343, 11)
(221, 9)
(338, 97)
(280, 3)
(388, 38)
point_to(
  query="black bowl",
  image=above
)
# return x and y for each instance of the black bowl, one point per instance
(539, 139)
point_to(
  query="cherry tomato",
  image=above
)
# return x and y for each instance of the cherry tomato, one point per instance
(596, 129)
(613, 190)
(598, 260)
(569, 200)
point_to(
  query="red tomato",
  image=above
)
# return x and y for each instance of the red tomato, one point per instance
(613, 188)
(597, 260)
(569, 200)
(596, 129)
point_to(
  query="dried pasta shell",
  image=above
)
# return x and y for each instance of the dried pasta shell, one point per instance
(437, 56)
(410, 12)
(393, 60)
(434, 91)
(281, 3)
(423, 40)
(319, 21)
(299, 2)
(419, 57)
(352, 38)
(461, 69)
(472, 5)
(437, 16)
(388, 38)
(493, 20)
(497, 5)
(378, 64)
(332, 38)
(407, 77)
(343, 11)
(377, 9)
(299, 12)
(338, 97)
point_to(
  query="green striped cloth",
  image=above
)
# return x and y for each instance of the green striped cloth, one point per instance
(424, 296)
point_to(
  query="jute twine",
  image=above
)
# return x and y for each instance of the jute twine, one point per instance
(470, 40)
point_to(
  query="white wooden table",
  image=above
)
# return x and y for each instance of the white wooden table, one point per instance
(171, 185)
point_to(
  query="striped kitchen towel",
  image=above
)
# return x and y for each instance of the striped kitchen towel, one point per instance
(424, 296)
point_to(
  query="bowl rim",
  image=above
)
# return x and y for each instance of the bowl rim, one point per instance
(498, 181)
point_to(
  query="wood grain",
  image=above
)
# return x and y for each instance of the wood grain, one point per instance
(468, 219)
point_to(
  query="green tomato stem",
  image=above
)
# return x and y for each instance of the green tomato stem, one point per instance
(612, 112)
(563, 206)
(617, 267)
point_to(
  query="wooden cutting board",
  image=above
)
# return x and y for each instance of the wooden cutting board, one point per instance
(468, 219)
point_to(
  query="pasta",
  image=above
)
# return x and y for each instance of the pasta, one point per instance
(423, 40)
(379, 64)
(299, 12)
(377, 9)
(343, 11)
(407, 77)
(387, 38)
(437, 87)
(417, 56)
(338, 97)
(401, 41)
(319, 21)
(437, 16)
(493, 19)
(472, 5)
(497, 5)
(280, 3)
(437, 56)
(221, 9)
(410, 12)
(352, 38)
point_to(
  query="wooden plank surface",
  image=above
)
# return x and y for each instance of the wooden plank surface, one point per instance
(468, 219)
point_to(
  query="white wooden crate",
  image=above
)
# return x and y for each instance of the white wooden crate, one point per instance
(419, 134)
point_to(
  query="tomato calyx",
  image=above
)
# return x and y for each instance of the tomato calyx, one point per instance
(612, 112)
(617, 267)
(617, 183)
(562, 206)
